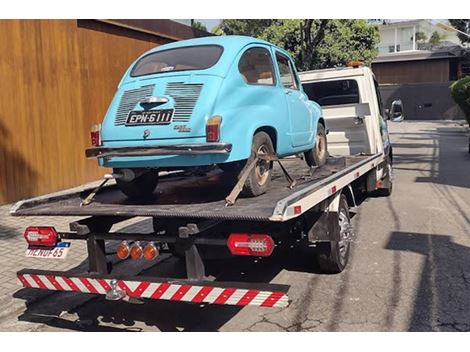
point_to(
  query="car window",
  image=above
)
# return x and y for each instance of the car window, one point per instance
(179, 59)
(286, 72)
(256, 67)
(340, 92)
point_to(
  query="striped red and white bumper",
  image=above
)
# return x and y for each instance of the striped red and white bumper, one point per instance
(184, 292)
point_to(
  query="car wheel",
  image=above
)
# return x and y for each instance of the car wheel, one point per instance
(259, 178)
(141, 187)
(333, 256)
(319, 153)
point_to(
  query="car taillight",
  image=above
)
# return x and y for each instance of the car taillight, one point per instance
(41, 236)
(213, 129)
(250, 244)
(150, 251)
(95, 135)
(123, 250)
(136, 251)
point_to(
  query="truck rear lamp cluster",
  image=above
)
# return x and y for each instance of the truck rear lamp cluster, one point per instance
(260, 245)
(213, 129)
(135, 250)
(44, 236)
(95, 135)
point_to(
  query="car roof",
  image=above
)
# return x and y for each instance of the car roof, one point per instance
(227, 41)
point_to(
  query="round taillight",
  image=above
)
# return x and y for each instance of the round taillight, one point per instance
(136, 251)
(123, 250)
(150, 251)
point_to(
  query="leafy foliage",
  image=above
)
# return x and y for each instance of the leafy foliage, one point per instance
(199, 25)
(313, 43)
(460, 91)
(463, 26)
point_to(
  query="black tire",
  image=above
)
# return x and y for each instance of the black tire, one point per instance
(259, 179)
(388, 179)
(333, 256)
(319, 153)
(141, 187)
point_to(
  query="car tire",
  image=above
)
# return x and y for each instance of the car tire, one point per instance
(319, 153)
(259, 179)
(141, 187)
(333, 256)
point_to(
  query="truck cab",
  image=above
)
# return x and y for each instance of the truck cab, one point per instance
(352, 107)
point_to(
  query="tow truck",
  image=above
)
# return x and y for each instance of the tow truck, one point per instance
(192, 220)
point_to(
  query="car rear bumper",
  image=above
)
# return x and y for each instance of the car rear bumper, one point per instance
(175, 149)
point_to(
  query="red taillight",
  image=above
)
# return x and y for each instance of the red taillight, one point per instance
(213, 129)
(41, 236)
(246, 244)
(95, 135)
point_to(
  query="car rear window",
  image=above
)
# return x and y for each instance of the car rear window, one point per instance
(341, 92)
(179, 59)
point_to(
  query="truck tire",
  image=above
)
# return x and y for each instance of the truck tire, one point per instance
(388, 179)
(259, 178)
(141, 187)
(333, 256)
(319, 153)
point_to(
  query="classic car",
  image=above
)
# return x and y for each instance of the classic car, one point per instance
(221, 100)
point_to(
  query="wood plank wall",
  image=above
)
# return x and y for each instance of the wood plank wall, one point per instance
(423, 71)
(57, 78)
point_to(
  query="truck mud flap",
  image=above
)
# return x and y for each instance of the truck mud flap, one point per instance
(201, 292)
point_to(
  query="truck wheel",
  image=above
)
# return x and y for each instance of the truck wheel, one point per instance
(141, 187)
(319, 153)
(333, 256)
(388, 180)
(259, 178)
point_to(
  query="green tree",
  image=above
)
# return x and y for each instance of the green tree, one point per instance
(460, 91)
(217, 31)
(199, 25)
(420, 37)
(462, 26)
(436, 38)
(313, 43)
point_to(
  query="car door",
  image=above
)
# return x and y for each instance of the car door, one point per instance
(300, 120)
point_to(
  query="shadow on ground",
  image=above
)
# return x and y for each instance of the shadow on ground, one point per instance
(442, 301)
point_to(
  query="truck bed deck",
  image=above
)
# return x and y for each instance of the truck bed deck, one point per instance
(203, 196)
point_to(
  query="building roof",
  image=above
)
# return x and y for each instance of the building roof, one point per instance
(444, 53)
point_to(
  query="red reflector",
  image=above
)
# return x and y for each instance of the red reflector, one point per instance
(297, 209)
(246, 244)
(212, 133)
(41, 236)
(333, 189)
(95, 135)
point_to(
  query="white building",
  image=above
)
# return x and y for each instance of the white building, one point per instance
(402, 35)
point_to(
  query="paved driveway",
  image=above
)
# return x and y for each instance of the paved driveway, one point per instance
(410, 265)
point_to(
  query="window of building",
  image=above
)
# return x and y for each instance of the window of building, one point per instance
(256, 67)
(333, 92)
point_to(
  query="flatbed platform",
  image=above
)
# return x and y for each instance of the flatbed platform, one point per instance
(203, 196)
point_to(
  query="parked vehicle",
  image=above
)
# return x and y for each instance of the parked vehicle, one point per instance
(199, 102)
(196, 224)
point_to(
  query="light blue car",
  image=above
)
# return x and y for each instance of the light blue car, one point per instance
(216, 100)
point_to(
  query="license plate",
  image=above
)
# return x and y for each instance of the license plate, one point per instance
(150, 117)
(58, 252)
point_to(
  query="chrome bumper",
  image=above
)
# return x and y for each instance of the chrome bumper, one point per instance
(176, 149)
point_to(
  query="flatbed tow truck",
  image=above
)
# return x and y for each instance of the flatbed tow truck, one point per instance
(191, 218)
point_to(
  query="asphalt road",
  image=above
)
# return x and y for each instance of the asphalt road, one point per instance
(409, 269)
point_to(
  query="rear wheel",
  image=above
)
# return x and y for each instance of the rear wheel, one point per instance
(387, 181)
(259, 178)
(319, 153)
(141, 187)
(333, 256)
